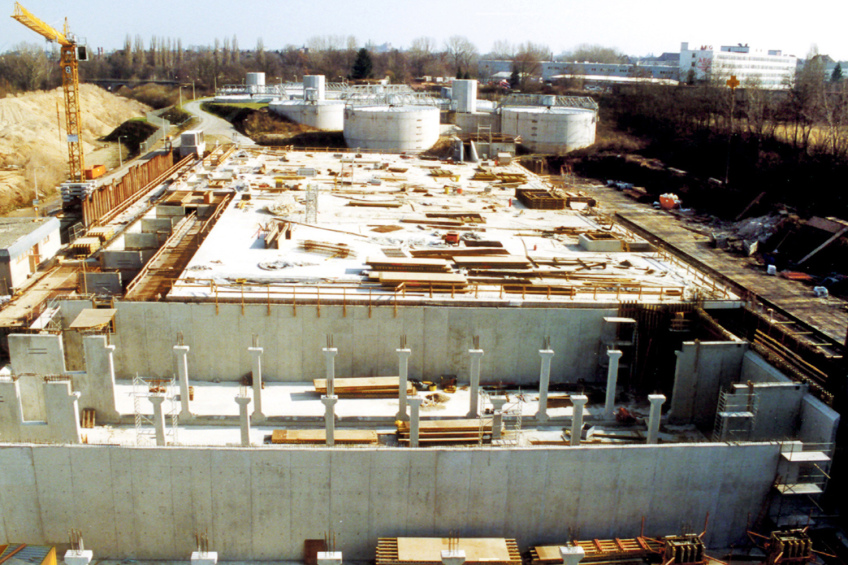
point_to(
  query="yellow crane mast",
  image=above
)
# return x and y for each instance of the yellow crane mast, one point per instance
(71, 53)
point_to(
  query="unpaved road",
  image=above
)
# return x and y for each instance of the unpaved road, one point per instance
(214, 126)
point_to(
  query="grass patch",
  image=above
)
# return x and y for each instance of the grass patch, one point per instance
(133, 133)
(176, 115)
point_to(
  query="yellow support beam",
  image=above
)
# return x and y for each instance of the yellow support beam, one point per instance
(38, 26)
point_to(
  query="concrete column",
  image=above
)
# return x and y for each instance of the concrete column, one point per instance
(256, 358)
(158, 417)
(544, 383)
(497, 422)
(330, 359)
(329, 558)
(244, 419)
(182, 369)
(571, 554)
(403, 370)
(415, 420)
(78, 557)
(656, 400)
(474, 400)
(612, 381)
(453, 557)
(99, 389)
(578, 401)
(62, 411)
(330, 417)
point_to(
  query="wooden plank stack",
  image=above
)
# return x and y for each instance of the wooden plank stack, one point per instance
(85, 245)
(363, 387)
(341, 250)
(408, 265)
(604, 550)
(455, 432)
(319, 437)
(427, 551)
(493, 262)
(442, 282)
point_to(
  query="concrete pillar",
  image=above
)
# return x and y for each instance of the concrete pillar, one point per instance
(244, 419)
(78, 557)
(403, 370)
(544, 383)
(329, 558)
(62, 411)
(330, 418)
(256, 358)
(656, 400)
(612, 381)
(578, 401)
(453, 557)
(474, 399)
(415, 420)
(571, 554)
(330, 359)
(158, 418)
(99, 389)
(204, 558)
(182, 369)
(497, 422)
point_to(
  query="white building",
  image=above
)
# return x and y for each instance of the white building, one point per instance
(769, 68)
(24, 244)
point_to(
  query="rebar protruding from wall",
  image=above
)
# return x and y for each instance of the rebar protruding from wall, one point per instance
(75, 541)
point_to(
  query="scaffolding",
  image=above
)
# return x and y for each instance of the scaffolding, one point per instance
(143, 389)
(735, 416)
(512, 414)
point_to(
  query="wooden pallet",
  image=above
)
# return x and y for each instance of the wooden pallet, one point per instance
(451, 252)
(363, 387)
(409, 265)
(319, 437)
(597, 550)
(427, 551)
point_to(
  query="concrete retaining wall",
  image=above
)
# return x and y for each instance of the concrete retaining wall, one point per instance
(439, 338)
(260, 504)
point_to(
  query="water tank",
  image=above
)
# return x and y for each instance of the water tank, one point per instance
(255, 82)
(409, 129)
(550, 130)
(322, 114)
(465, 95)
(315, 82)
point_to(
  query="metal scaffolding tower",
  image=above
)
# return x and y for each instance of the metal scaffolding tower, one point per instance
(144, 389)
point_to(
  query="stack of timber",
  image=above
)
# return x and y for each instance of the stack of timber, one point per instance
(319, 437)
(428, 551)
(408, 265)
(492, 262)
(103, 233)
(85, 245)
(341, 250)
(540, 199)
(451, 252)
(456, 432)
(363, 387)
(278, 230)
(607, 551)
(441, 282)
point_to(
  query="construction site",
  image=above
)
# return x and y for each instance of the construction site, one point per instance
(376, 355)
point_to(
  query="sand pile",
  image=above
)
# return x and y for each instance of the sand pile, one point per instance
(30, 137)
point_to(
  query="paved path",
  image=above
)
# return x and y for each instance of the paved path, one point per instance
(213, 125)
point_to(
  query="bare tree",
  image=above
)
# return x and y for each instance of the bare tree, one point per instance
(461, 52)
(594, 54)
(422, 54)
(502, 49)
(527, 61)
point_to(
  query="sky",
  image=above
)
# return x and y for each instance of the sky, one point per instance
(636, 27)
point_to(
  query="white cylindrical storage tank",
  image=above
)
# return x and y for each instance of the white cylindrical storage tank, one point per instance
(550, 130)
(465, 95)
(254, 81)
(400, 129)
(322, 114)
(316, 82)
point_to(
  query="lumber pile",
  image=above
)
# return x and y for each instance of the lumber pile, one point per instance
(428, 551)
(604, 550)
(319, 437)
(363, 387)
(278, 230)
(456, 432)
(443, 282)
(104, 233)
(333, 249)
(87, 419)
(492, 262)
(409, 265)
(85, 245)
(540, 199)
(451, 252)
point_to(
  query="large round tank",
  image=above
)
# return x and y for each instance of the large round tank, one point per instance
(254, 81)
(464, 93)
(408, 129)
(316, 84)
(550, 130)
(322, 114)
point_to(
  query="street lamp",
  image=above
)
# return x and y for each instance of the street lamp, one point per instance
(35, 182)
(121, 151)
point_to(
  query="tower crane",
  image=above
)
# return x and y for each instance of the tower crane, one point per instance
(72, 52)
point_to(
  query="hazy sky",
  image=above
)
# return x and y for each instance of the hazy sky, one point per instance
(633, 26)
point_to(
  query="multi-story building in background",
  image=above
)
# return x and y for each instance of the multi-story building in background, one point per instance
(766, 68)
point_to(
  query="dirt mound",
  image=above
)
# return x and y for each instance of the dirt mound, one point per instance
(31, 142)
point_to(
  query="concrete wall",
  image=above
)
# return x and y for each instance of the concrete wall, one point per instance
(60, 425)
(703, 369)
(778, 409)
(819, 422)
(260, 504)
(758, 370)
(38, 354)
(439, 338)
(138, 241)
(100, 283)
